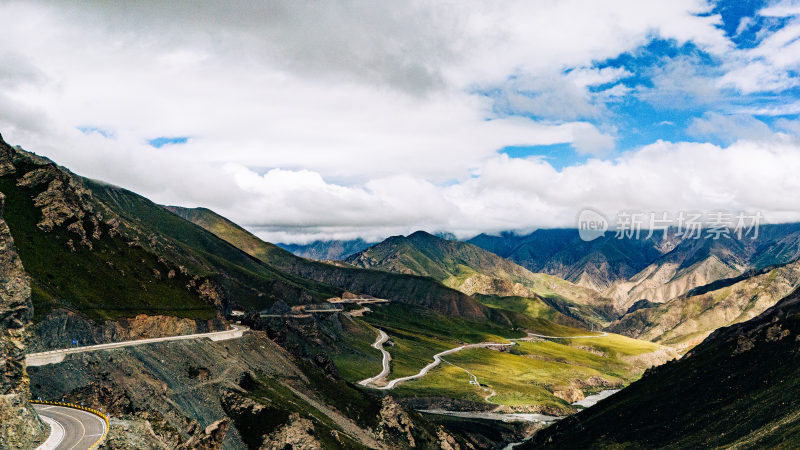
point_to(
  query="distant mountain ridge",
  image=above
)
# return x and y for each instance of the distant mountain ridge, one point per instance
(414, 289)
(656, 269)
(596, 264)
(472, 270)
(329, 250)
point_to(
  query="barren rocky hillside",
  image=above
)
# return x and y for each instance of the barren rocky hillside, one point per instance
(18, 422)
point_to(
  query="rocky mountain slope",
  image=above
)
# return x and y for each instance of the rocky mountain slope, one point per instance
(18, 421)
(736, 389)
(656, 269)
(685, 321)
(692, 263)
(106, 253)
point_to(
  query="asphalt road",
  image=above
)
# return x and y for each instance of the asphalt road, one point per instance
(81, 429)
(382, 337)
(56, 356)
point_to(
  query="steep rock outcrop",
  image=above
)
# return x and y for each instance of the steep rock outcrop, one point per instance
(210, 438)
(298, 434)
(19, 423)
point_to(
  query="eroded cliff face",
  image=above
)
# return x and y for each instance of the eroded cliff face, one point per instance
(19, 423)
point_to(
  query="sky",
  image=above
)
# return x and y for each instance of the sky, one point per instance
(305, 120)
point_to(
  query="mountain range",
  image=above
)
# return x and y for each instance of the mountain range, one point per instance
(87, 262)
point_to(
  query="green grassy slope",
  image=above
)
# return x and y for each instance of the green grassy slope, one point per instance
(106, 252)
(253, 283)
(91, 281)
(530, 375)
(411, 289)
(738, 388)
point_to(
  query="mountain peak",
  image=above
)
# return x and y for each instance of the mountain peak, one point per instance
(422, 234)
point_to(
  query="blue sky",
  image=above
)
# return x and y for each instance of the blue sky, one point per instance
(651, 111)
(366, 119)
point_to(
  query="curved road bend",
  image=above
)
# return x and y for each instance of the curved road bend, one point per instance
(81, 429)
(378, 345)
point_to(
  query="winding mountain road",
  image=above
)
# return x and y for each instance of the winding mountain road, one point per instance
(378, 344)
(437, 358)
(71, 429)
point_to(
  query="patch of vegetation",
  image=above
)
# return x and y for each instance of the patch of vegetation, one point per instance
(354, 357)
(110, 281)
(532, 307)
(424, 321)
(617, 346)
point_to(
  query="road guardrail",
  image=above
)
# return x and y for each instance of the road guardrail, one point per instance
(82, 408)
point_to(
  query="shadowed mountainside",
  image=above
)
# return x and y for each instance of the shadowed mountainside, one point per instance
(18, 421)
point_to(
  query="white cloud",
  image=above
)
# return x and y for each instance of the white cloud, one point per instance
(771, 65)
(744, 24)
(514, 193)
(729, 128)
(365, 118)
(681, 82)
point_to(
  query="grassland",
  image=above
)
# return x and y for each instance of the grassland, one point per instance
(111, 280)
(531, 371)
(419, 333)
(525, 375)
(354, 356)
